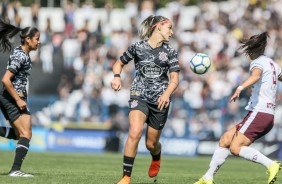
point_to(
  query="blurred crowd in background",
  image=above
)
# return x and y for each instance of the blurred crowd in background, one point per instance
(200, 106)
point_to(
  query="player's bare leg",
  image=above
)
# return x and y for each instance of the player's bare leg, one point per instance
(137, 119)
(240, 147)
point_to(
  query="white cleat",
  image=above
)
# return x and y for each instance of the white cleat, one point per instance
(19, 174)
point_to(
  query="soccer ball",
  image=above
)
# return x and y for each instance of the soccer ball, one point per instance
(200, 63)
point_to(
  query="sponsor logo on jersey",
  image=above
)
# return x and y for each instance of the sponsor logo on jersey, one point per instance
(270, 105)
(163, 56)
(152, 70)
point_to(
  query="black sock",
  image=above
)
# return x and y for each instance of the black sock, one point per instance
(156, 157)
(21, 151)
(127, 165)
(8, 133)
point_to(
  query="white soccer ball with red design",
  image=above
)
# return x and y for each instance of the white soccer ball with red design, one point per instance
(200, 63)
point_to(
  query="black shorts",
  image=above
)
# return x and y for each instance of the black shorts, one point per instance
(9, 107)
(155, 118)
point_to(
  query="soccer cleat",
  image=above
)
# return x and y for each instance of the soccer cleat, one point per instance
(202, 181)
(273, 172)
(124, 180)
(19, 174)
(154, 168)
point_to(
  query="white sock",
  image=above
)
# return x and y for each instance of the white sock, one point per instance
(254, 155)
(218, 158)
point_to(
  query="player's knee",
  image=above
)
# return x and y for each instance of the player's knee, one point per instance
(150, 145)
(25, 133)
(224, 142)
(134, 134)
(235, 150)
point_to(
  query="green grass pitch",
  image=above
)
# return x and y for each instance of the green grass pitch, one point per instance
(79, 168)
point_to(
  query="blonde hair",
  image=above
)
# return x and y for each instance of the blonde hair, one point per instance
(148, 26)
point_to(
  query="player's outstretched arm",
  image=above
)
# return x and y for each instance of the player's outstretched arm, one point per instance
(255, 76)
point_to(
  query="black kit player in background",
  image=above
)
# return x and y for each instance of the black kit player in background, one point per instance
(150, 91)
(13, 97)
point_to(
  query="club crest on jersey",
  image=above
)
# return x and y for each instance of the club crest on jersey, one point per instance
(163, 56)
(134, 103)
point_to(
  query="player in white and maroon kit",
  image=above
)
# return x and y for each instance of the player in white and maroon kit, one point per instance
(150, 90)
(259, 119)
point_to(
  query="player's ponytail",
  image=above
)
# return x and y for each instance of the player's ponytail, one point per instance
(8, 31)
(255, 46)
(148, 26)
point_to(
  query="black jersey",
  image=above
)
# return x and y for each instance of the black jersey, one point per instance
(20, 65)
(152, 67)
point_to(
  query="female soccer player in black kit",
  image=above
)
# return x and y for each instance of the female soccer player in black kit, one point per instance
(13, 97)
(150, 91)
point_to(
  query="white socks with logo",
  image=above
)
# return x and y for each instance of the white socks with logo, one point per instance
(218, 158)
(246, 152)
(254, 155)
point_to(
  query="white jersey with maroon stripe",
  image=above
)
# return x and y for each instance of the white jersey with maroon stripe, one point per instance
(264, 90)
